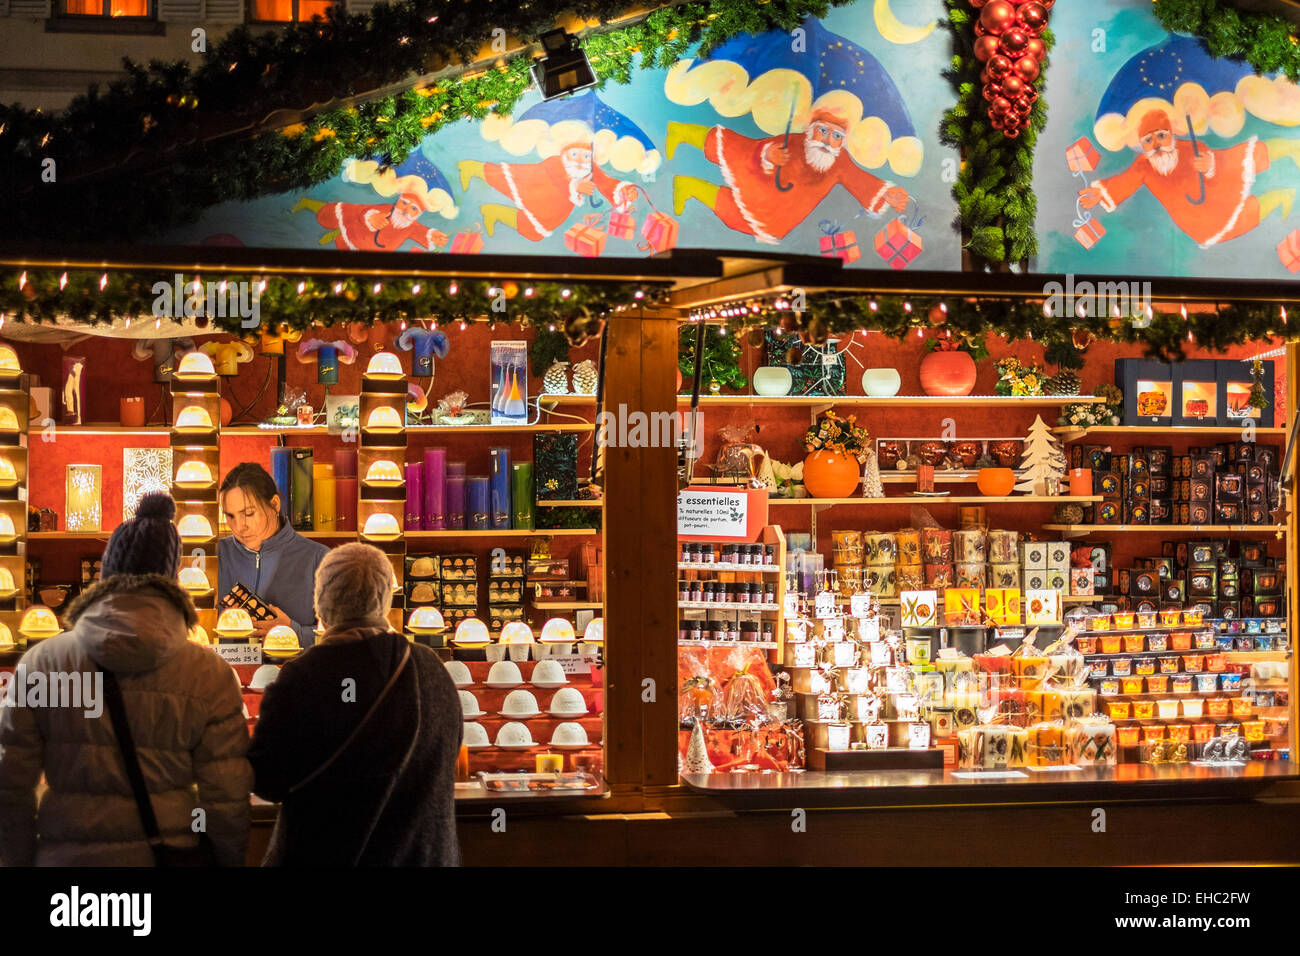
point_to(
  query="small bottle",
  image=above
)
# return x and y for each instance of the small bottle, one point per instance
(683, 590)
(742, 594)
(769, 592)
(769, 632)
(733, 631)
(695, 595)
(693, 630)
(685, 557)
(769, 554)
(706, 554)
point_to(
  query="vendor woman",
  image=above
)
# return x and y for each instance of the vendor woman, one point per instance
(265, 554)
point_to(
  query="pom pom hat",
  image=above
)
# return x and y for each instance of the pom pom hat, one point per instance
(148, 543)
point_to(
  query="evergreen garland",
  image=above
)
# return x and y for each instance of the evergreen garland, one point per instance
(994, 188)
(1266, 41)
(164, 109)
(97, 298)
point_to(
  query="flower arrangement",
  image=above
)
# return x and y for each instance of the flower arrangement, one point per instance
(1016, 378)
(789, 479)
(840, 435)
(1087, 416)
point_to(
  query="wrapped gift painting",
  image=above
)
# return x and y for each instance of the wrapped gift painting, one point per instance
(1288, 251)
(659, 233)
(1081, 156)
(468, 243)
(622, 225)
(586, 238)
(835, 243)
(1090, 233)
(897, 244)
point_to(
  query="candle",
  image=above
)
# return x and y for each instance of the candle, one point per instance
(550, 763)
(414, 496)
(281, 471)
(435, 489)
(500, 475)
(345, 501)
(1080, 482)
(301, 460)
(345, 463)
(455, 499)
(478, 503)
(521, 494)
(324, 498)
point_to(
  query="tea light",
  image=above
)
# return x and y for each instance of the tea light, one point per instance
(281, 641)
(1180, 733)
(1183, 683)
(1193, 707)
(1157, 642)
(1242, 707)
(1144, 709)
(1157, 684)
(1134, 643)
(1207, 683)
(1121, 666)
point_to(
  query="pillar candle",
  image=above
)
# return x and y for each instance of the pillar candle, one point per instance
(522, 493)
(500, 487)
(435, 489)
(414, 496)
(345, 502)
(478, 503)
(300, 492)
(455, 501)
(324, 497)
(345, 463)
(281, 469)
(455, 469)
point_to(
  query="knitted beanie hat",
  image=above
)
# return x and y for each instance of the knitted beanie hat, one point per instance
(148, 543)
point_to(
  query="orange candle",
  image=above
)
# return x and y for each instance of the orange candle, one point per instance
(1242, 707)
(1081, 482)
(1128, 735)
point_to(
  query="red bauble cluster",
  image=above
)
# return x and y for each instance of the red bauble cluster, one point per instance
(1008, 42)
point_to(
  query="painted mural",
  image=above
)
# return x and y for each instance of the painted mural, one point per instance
(1163, 160)
(822, 141)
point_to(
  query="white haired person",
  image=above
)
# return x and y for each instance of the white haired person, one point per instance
(357, 738)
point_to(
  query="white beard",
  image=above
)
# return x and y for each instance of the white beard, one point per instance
(576, 173)
(400, 220)
(1164, 160)
(818, 156)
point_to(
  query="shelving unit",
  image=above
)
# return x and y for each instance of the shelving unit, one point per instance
(770, 535)
(900, 401)
(501, 533)
(936, 499)
(13, 501)
(1070, 433)
(1080, 530)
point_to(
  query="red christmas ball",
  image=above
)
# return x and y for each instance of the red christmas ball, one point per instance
(1014, 42)
(1022, 106)
(991, 91)
(1027, 68)
(1036, 48)
(997, 16)
(1012, 85)
(999, 105)
(978, 3)
(985, 47)
(1030, 95)
(1032, 17)
(1046, 4)
(1011, 132)
(979, 29)
(996, 122)
(937, 315)
(986, 77)
(998, 67)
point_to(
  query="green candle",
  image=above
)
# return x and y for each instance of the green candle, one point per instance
(522, 494)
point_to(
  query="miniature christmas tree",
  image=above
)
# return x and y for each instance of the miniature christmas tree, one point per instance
(871, 484)
(697, 753)
(1042, 459)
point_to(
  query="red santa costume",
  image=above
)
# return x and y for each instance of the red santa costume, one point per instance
(751, 203)
(370, 229)
(1229, 209)
(546, 195)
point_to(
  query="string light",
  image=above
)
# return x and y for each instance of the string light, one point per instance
(872, 305)
(415, 289)
(907, 307)
(302, 287)
(1183, 311)
(103, 281)
(1283, 315)
(22, 280)
(378, 287)
(453, 288)
(551, 326)
(528, 293)
(639, 294)
(222, 287)
(128, 323)
(261, 286)
(338, 287)
(462, 325)
(63, 281)
(565, 293)
(402, 325)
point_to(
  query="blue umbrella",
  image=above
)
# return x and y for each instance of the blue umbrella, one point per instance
(417, 164)
(829, 62)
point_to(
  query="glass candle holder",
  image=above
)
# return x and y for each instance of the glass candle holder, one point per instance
(1145, 666)
(1157, 684)
(1157, 642)
(1242, 707)
(1144, 709)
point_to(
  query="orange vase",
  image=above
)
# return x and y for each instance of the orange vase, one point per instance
(948, 373)
(827, 474)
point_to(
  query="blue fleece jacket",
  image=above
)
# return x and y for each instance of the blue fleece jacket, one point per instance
(283, 573)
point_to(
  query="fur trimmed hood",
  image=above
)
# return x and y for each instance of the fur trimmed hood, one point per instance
(132, 623)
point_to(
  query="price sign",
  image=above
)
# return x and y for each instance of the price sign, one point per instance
(240, 653)
(576, 663)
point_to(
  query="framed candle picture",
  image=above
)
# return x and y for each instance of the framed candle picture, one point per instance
(1149, 396)
(1198, 393)
(1235, 385)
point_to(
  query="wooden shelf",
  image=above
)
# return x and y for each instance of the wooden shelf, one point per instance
(330, 535)
(571, 503)
(110, 428)
(1079, 530)
(563, 399)
(275, 430)
(500, 533)
(567, 605)
(940, 499)
(718, 566)
(762, 645)
(725, 606)
(901, 401)
(497, 429)
(1071, 433)
(68, 535)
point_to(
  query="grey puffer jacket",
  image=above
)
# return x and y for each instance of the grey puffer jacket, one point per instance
(186, 714)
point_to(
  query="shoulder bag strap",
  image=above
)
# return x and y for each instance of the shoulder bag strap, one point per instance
(406, 656)
(126, 744)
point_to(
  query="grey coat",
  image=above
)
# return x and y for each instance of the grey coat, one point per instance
(186, 714)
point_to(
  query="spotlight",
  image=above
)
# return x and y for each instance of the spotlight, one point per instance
(564, 69)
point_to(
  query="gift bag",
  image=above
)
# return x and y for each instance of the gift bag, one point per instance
(468, 243)
(837, 244)
(586, 238)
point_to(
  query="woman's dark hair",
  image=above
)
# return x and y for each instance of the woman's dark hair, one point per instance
(253, 480)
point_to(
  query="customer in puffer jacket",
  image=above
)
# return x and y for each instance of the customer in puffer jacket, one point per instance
(183, 703)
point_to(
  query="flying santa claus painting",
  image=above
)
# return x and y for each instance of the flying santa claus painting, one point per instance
(828, 114)
(577, 138)
(1188, 165)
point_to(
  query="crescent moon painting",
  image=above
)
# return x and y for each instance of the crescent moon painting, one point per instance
(895, 30)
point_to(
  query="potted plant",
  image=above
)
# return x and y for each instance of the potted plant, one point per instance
(949, 369)
(836, 447)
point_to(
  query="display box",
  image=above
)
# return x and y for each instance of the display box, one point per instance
(1235, 385)
(1003, 606)
(1042, 607)
(1149, 391)
(961, 606)
(919, 608)
(1082, 581)
(1198, 393)
(509, 383)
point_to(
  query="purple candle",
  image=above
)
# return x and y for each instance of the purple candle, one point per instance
(435, 473)
(414, 496)
(455, 501)
(456, 469)
(479, 504)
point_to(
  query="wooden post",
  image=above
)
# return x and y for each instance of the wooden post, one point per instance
(640, 553)
(1292, 481)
